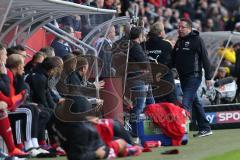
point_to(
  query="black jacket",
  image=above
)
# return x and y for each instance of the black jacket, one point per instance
(76, 79)
(159, 49)
(136, 53)
(4, 84)
(60, 48)
(106, 56)
(79, 139)
(138, 65)
(190, 56)
(40, 90)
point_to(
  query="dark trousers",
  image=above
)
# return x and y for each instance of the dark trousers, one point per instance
(192, 102)
(35, 117)
(44, 117)
(171, 97)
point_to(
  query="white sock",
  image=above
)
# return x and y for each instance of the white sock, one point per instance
(35, 142)
(28, 144)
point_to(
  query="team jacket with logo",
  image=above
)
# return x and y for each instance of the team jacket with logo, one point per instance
(159, 50)
(190, 55)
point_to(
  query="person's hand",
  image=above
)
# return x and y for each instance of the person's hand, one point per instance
(100, 152)
(3, 105)
(77, 17)
(92, 119)
(25, 95)
(24, 92)
(32, 103)
(99, 102)
(100, 84)
(128, 103)
(208, 83)
(61, 100)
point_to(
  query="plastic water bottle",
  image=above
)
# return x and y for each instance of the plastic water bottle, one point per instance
(152, 144)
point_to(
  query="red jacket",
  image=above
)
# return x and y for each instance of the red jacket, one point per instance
(170, 118)
(12, 100)
(105, 130)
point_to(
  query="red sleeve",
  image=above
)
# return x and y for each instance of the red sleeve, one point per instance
(11, 101)
(11, 87)
(105, 130)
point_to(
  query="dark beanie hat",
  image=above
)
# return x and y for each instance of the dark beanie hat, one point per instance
(80, 104)
(135, 32)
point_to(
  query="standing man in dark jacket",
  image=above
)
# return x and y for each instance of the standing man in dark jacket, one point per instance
(189, 57)
(138, 68)
(105, 53)
(159, 50)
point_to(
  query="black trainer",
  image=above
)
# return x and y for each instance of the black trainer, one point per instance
(203, 133)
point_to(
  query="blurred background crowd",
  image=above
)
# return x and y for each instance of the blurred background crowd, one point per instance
(207, 15)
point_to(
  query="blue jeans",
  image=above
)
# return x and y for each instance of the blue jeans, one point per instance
(139, 103)
(192, 101)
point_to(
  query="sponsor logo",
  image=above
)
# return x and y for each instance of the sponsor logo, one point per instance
(228, 117)
(211, 117)
(223, 117)
(155, 52)
(186, 49)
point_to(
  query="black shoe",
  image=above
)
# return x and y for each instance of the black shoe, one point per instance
(203, 133)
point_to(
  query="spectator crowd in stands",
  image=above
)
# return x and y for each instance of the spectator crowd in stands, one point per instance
(207, 15)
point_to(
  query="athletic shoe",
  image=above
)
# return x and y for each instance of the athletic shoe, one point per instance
(18, 153)
(45, 154)
(43, 151)
(203, 133)
(34, 152)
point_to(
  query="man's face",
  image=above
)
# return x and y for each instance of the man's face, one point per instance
(112, 33)
(85, 69)
(20, 68)
(3, 56)
(183, 29)
(100, 3)
(40, 59)
(142, 37)
(53, 53)
(72, 32)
